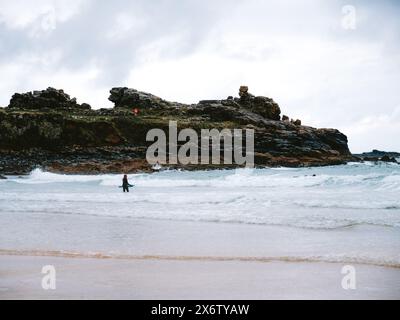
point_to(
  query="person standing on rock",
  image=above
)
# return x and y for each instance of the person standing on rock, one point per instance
(125, 184)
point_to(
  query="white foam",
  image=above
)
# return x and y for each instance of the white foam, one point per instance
(359, 174)
(318, 198)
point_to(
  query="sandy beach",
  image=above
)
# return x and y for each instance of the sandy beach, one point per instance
(80, 278)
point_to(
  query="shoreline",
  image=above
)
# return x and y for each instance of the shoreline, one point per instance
(194, 258)
(77, 171)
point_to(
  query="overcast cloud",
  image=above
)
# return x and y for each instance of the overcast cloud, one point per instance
(297, 52)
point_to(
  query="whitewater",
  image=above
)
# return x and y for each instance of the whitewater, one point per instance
(338, 214)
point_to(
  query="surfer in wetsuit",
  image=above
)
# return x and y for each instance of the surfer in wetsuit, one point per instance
(125, 184)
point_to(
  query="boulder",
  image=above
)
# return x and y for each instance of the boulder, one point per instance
(243, 91)
(46, 99)
(285, 118)
(123, 97)
(266, 107)
(86, 106)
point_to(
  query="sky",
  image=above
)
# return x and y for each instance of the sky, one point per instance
(332, 64)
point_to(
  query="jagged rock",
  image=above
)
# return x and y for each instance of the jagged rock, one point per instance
(130, 98)
(46, 99)
(123, 97)
(285, 118)
(263, 106)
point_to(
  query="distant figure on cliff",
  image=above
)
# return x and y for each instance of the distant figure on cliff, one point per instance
(125, 184)
(135, 112)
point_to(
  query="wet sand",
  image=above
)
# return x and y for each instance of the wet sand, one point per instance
(151, 278)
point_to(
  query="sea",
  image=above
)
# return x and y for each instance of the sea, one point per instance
(336, 214)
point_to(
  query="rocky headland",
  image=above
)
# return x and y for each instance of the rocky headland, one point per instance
(377, 155)
(50, 130)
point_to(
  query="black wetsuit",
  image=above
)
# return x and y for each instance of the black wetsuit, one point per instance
(125, 184)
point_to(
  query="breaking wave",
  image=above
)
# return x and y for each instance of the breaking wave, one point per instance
(315, 198)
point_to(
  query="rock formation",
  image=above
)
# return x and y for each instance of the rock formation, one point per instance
(129, 98)
(263, 106)
(63, 136)
(377, 155)
(50, 98)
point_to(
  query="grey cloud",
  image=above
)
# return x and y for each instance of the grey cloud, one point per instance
(186, 28)
(82, 38)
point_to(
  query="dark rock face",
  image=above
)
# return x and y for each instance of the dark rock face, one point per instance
(20, 131)
(50, 98)
(377, 155)
(75, 159)
(48, 129)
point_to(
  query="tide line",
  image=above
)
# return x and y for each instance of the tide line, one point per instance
(260, 259)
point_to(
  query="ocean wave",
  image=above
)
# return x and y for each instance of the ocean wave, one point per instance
(349, 204)
(315, 198)
(273, 177)
(342, 259)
